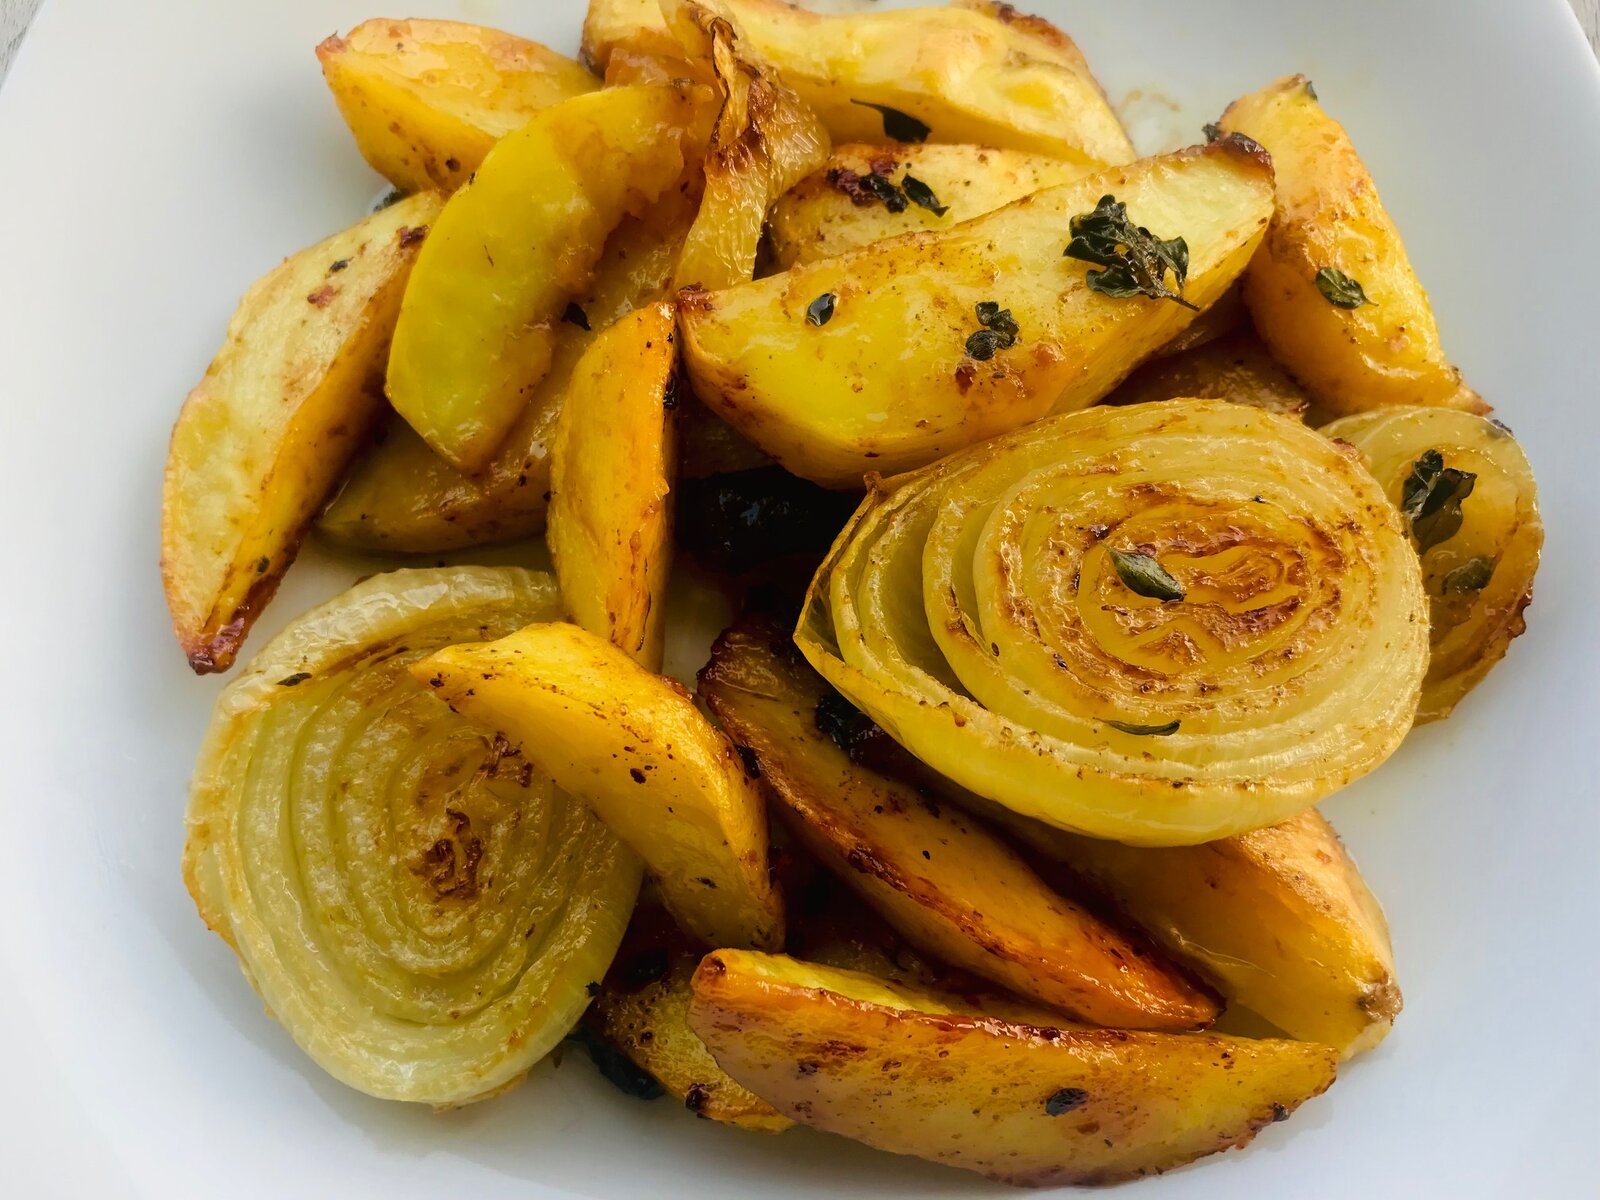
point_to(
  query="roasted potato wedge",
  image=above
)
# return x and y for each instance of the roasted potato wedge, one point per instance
(764, 142)
(401, 496)
(612, 468)
(883, 381)
(1024, 1104)
(1332, 292)
(636, 748)
(477, 329)
(642, 1008)
(427, 99)
(609, 23)
(940, 878)
(1279, 920)
(1236, 367)
(269, 430)
(973, 72)
(832, 210)
(1469, 497)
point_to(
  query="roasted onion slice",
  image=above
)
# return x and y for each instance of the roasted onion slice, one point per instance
(1159, 624)
(420, 911)
(1474, 516)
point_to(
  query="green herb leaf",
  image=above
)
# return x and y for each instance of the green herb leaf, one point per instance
(899, 126)
(1339, 290)
(820, 310)
(1135, 261)
(1431, 500)
(1471, 576)
(297, 678)
(576, 316)
(1167, 730)
(922, 195)
(892, 197)
(1144, 576)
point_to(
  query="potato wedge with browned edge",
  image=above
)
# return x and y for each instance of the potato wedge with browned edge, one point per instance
(635, 747)
(878, 360)
(765, 140)
(609, 23)
(427, 99)
(612, 467)
(282, 409)
(1024, 1104)
(973, 72)
(515, 245)
(401, 496)
(1234, 367)
(943, 880)
(1279, 920)
(867, 191)
(1332, 292)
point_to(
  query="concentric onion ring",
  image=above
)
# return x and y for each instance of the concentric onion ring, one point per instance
(974, 609)
(1480, 579)
(419, 910)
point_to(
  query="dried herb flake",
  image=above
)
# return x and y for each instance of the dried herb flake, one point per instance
(1431, 500)
(1167, 730)
(1339, 290)
(820, 310)
(574, 315)
(1471, 576)
(1134, 261)
(899, 126)
(1065, 1101)
(1144, 576)
(922, 195)
(999, 332)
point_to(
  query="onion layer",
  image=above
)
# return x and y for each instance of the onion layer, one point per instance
(419, 910)
(1001, 614)
(1479, 579)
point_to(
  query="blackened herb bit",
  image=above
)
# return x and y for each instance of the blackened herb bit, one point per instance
(1144, 576)
(669, 393)
(1339, 290)
(752, 765)
(999, 332)
(843, 722)
(820, 310)
(615, 1066)
(1134, 261)
(892, 197)
(296, 678)
(1471, 576)
(1211, 130)
(338, 265)
(1065, 1101)
(901, 127)
(922, 195)
(574, 315)
(1431, 499)
(1167, 730)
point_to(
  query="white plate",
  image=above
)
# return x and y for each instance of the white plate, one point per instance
(159, 156)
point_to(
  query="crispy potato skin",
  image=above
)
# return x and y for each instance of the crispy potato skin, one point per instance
(1470, 628)
(634, 746)
(1329, 215)
(267, 433)
(886, 385)
(427, 99)
(401, 496)
(612, 466)
(1023, 1104)
(973, 72)
(826, 214)
(642, 1008)
(514, 246)
(944, 881)
(1234, 367)
(1279, 919)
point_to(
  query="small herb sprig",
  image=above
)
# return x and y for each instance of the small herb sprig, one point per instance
(999, 332)
(1430, 499)
(1339, 290)
(1134, 261)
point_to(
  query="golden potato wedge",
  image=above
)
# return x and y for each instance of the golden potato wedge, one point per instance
(1024, 1104)
(401, 496)
(642, 1008)
(833, 210)
(269, 430)
(974, 72)
(608, 23)
(764, 142)
(636, 748)
(940, 878)
(1468, 494)
(1236, 367)
(612, 467)
(427, 99)
(1279, 920)
(1332, 292)
(860, 362)
(477, 328)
